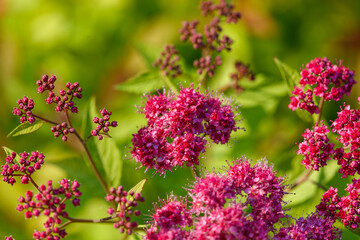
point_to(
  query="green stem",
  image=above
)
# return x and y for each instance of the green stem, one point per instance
(45, 120)
(169, 83)
(320, 109)
(92, 163)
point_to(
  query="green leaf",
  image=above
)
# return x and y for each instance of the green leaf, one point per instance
(145, 82)
(250, 99)
(104, 152)
(139, 186)
(8, 152)
(292, 77)
(26, 128)
(149, 53)
(289, 75)
(305, 115)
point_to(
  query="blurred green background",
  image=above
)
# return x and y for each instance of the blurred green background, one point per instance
(99, 44)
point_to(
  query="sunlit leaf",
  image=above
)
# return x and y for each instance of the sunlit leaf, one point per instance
(8, 152)
(26, 128)
(139, 186)
(290, 76)
(145, 82)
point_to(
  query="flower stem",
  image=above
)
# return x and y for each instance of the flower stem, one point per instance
(169, 83)
(92, 163)
(45, 120)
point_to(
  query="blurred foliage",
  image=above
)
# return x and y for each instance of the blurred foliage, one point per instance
(102, 43)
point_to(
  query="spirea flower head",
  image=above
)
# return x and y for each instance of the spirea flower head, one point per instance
(322, 79)
(50, 202)
(264, 191)
(22, 165)
(126, 202)
(345, 208)
(347, 125)
(172, 213)
(168, 62)
(316, 148)
(103, 124)
(243, 203)
(62, 130)
(24, 110)
(311, 227)
(65, 100)
(211, 39)
(177, 127)
(229, 223)
(211, 192)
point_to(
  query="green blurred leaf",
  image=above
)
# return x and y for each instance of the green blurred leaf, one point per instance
(305, 115)
(149, 53)
(250, 99)
(139, 186)
(290, 76)
(104, 152)
(8, 152)
(26, 128)
(145, 82)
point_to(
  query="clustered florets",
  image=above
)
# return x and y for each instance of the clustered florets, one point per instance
(125, 202)
(50, 202)
(62, 130)
(347, 125)
(345, 208)
(321, 79)
(24, 110)
(243, 203)
(177, 127)
(211, 40)
(24, 167)
(241, 71)
(64, 100)
(311, 227)
(103, 124)
(316, 148)
(168, 62)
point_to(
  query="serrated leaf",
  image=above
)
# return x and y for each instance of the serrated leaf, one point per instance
(145, 82)
(25, 128)
(8, 152)
(290, 76)
(139, 186)
(104, 152)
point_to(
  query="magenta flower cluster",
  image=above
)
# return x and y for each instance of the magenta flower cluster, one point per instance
(177, 127)
(347, 125)
(311, 227)
(216, 211)
(50, 202)
(23, 167)
(24, 110)
(125, 202)
(345, 208)
(64, 100)
(103, 124)
(169, 61)
(321, 79)
(316, 148)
